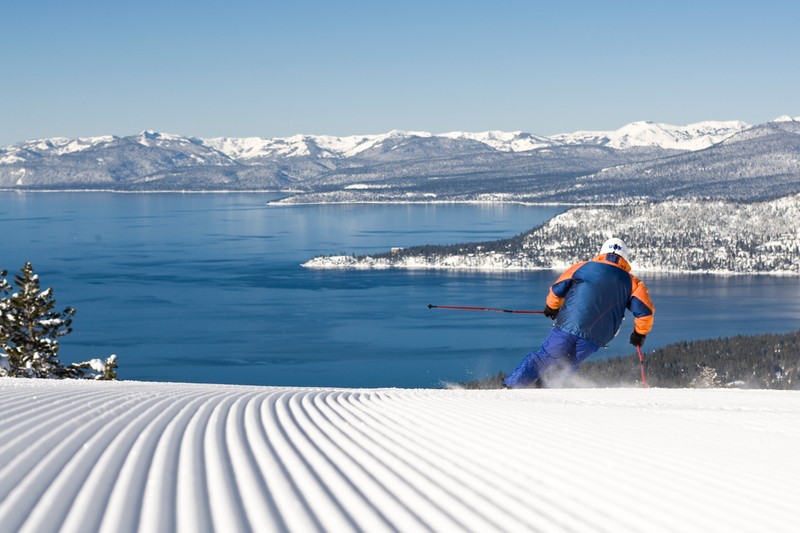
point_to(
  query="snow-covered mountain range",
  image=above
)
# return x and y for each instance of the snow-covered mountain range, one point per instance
(33, 151)
(637, 134)
(420, 166)
(647, 134)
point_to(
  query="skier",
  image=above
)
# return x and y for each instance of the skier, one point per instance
(588, 303)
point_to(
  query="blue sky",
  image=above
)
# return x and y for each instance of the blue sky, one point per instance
(270, 69)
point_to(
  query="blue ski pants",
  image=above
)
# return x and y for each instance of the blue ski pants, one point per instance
(560, 356)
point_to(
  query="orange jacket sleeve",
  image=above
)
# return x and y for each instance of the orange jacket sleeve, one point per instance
(642, 307)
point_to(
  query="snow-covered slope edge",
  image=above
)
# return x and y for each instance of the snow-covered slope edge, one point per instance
(673, 236)
(80, 456)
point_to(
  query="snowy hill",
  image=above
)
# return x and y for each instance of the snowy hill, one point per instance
(117, 457)
(103, 161)
(321, 146)
(758, 163)
(27, 150)
(31, 151)
(672, 236)
(324, 146)
(692, 137)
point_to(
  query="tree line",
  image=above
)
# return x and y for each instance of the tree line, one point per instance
(768, 361)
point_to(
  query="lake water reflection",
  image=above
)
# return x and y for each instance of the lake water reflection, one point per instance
(208, 288)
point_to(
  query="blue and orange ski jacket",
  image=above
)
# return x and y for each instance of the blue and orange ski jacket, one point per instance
(592, 297)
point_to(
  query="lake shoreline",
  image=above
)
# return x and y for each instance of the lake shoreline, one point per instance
(634, 271)
(279, 202)
(221, 191)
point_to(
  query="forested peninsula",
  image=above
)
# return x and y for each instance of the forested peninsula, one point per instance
(695, 236)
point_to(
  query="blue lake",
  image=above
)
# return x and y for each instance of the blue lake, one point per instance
(209, 288)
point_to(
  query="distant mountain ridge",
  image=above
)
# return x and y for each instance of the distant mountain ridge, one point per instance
(418, 166)
(692, 137)
(636, 134)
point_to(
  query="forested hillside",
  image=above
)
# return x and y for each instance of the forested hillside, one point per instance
(769, 361)
(672, 236)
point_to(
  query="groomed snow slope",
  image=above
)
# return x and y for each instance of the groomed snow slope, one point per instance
(88, 456)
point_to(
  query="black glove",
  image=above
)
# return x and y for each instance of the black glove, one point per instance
(550, 312)
(637, 339)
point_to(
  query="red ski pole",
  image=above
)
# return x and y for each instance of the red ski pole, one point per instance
(641, 359)
(485, 309)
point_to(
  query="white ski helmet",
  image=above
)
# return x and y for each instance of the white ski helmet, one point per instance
(615, 246)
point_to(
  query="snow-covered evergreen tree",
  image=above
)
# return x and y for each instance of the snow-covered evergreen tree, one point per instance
(29, 329)
(708, 379)
(31, 326)
(5, 366)
(106, 370)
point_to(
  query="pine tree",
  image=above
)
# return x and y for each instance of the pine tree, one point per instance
(5, 366)
(29, 329)
(106, 370)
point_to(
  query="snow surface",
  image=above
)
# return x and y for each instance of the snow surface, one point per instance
(128, 456)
